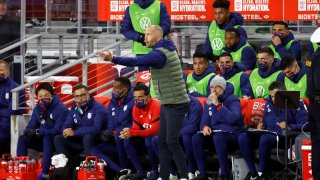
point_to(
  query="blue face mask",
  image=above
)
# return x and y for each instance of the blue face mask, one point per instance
(280, 35)
(117, 94)
(140, 103)
(45, 103)
(263, 66)
(225, 69)
(292, 76)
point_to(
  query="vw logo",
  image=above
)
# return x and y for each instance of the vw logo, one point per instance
(217, 44)
(260, 91)
(145, 22)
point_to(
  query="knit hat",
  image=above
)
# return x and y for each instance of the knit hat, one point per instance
(315, 37)
(220, 81)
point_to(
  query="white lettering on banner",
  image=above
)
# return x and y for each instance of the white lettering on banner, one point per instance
(255, 7)
(183, 17)
(253, 16)
(312, 1)
(261, 1)
(188, 6)
(313, 7)
(116, 17)
(192, 8)
(307, 16)
(114, 6)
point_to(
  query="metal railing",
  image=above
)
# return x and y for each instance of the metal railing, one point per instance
(83, 61)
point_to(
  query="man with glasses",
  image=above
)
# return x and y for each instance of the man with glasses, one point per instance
(296, 77)
(82, 125)
(46, 122)
(268, 71)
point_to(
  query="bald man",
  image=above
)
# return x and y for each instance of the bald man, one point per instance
(6, 85)
(170, 89)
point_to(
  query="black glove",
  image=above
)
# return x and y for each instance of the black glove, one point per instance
(141, 39)
(29, 133)
(106, 135)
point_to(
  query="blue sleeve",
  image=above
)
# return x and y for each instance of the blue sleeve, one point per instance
(242, 32)
(68, 123)
(127, 28)
(232, 113)
(165, 21)
(59, 120)
(205, 119)
(100, 114)
(194, 117)
(295, 50)
(249, 58)
(34, 121)
(281, 77)
(301, 117)
(245, 85)
(154, 59)
(310, 51)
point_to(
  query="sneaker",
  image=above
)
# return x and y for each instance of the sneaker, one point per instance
(43, 176)
(251, 176)
(173, 177)
(191, 175)
(154, 175)
(139, 176)
(124, 174)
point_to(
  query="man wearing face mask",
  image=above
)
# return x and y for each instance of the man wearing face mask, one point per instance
(233, 72)
(138, 17)
(283, 42)
(296, 77)
(267, 72)
(224, 19)
(46, 122)
(222, 117)
(274, 120)
(6, 85)
(198, 81)
(82, 125)
(146, 113)
(240, 49)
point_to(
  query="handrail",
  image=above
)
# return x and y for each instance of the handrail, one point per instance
(66, 66)
(19, 43)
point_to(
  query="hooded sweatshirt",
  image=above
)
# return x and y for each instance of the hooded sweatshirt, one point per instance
(235, 19)
(49, 121)
(228, 117)
(245, 85)
(127, 28)
(296, 117)
(295, 48)
(248, 58)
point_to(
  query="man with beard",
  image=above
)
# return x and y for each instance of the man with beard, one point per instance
(233, 72)
(283, 42)
(140, 15)
(198, 82)
(82, 125)
(224, 19)
(240, 49)
(267, 72)
(296, 77)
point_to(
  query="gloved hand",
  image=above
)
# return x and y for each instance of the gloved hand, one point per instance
(106, 135)
(141, 39)
(29, 133)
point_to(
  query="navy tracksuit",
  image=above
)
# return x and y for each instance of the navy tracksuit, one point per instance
(119, 117)
(228, 119)
(6, 111)
(49, 123)
(86, 127)
(245, 85)
(190, 127)
(296, 119)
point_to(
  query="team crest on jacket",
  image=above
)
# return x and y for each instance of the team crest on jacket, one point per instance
(210, 113)
(125, 107)
(43, 121)
(149, 116)
(7, 96)
(89, 115)
(75, 120)
(51, 117)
